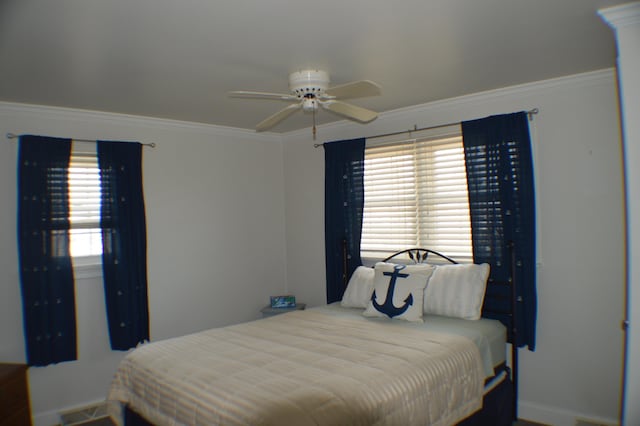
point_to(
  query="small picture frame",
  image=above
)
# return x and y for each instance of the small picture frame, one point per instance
(286, 301)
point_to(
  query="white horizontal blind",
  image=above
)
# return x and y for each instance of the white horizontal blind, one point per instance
(416, 196)
(84, 201)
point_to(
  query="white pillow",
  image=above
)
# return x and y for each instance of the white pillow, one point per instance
(404, 285)
(457, 291)
(359, 289)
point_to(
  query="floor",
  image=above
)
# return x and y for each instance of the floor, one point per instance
(107, 422)
(522, 422)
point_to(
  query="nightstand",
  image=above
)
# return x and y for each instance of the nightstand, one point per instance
(268, 311)
(14, 395)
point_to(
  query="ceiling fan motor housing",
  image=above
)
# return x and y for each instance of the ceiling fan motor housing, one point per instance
(308, 83)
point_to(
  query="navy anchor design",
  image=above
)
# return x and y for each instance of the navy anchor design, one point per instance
(388, 307)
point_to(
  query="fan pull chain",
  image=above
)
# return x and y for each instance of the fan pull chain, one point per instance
(314, 124)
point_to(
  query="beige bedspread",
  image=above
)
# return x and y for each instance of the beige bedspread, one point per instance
(303, 368)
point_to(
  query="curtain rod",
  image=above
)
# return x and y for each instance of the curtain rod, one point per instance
(14, 136)
(530, 114)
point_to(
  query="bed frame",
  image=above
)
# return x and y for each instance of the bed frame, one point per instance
(500, 393)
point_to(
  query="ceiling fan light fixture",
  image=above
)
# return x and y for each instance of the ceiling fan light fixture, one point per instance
(309, 105)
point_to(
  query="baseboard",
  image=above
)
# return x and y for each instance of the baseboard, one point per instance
(50, 418)
(556, 416)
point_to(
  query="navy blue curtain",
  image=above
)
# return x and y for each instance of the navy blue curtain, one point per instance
(502, 206)
(124, 240)
(46, 272)
(344, 203)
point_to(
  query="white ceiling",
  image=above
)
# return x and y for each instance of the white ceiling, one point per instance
(178, 59)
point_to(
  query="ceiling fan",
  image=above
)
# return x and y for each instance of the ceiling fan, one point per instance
(310, 89)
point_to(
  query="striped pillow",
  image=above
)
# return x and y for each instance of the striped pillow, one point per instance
(457, 291)
(359, 289)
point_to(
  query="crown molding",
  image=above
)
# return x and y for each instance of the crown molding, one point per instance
(576, 80)
(622, 15)
(71, 114)
(587, 79)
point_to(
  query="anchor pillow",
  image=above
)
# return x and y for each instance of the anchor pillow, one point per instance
(398, 291)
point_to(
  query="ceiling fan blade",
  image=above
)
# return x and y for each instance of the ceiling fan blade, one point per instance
(262, 95)
(356, 89)
(271, 121)
(357, 113)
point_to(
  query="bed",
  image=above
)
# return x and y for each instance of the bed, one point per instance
(339, 364)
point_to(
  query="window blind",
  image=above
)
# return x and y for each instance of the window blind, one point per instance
(84, 201)
(416, 195)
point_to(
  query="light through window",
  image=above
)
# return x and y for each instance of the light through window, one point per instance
(416, 195)
(84, 204)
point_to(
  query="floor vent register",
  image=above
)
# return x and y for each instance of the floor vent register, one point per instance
(90, 415)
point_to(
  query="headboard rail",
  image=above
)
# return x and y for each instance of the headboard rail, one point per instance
(419, 255)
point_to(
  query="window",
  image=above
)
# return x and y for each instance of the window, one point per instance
(47, 167)
(84, 205)
(416, 195)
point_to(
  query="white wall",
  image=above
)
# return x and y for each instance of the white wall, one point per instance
(625, 21)
(215, 227)
(222, 227)
(576, 368)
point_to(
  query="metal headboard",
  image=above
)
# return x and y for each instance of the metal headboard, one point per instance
(419, 255)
